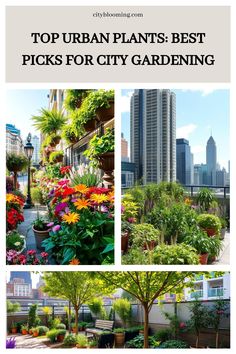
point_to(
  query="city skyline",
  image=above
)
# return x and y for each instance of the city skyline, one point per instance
(208, 109)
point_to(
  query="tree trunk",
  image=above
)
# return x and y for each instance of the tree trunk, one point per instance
(76, 320)
(146, 325)
(217, 339)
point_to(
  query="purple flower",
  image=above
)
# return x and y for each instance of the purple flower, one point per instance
(11, 343)
(104, 209)
(61, 206)
(56, 228)
(131, 220)
(50, 224)
(67, 210)
(122, 208)
(51, 193)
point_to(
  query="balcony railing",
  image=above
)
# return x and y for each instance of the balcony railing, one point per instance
(196, 294)
(220, 191)
(215, 292)
(198, 277)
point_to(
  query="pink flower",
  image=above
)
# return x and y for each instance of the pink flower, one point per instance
(31, 252)
(44, 254)
(131, 220)
(182, 325)
(56, 228)
(50, 224)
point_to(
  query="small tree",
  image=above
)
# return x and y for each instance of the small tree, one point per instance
(33, 319)
(47, 312)
(95, 306)
(199, 318)
(123, 309)
(215, 315)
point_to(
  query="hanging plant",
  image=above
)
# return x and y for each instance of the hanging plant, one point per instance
(49, 122)
(73, 99)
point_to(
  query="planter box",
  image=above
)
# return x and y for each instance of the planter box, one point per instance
(40, 236)
(104, 114)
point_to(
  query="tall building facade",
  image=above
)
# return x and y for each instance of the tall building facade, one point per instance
(184, 162)
(26, 276)
(153, 135)
(211, 159)
(36, 154)
(14, 143)
(124, 149)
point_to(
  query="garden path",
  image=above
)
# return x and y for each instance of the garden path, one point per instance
(29, 342)
(224, 257)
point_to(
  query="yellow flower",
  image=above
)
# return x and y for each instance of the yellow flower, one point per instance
(70, 218)
(111, 196)
(81, 204)
(74, 261)
(10, 198)
(65, 200)
(99, 198)
(81, 188)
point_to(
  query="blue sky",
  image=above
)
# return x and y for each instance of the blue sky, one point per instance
(21, 105)
(198, 113)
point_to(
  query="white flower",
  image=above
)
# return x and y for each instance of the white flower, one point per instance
(17, 243)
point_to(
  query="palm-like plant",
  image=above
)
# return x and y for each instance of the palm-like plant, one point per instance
(49, 122)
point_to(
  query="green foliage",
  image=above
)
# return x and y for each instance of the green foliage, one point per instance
(24, 327)
(71, 134)
(40, 223)
(52, 335)
(70, 341)
(55, 322)
(138, 342)
(163, 335)
(175, 254)
(96, 305)
(33, 319)
(13, 307)
(209, 221)
(61, 326)
(204, 199)
(143, 233)
(61, 332)
(100, 145)
(42, 330)
(216, 246)
(119, 330)
(36, 195)
(85, 174)
(82, 340)
(73, 98)
(199, 318)
(14, 241)
(137, 256)
(49, 122)
(174, 344)
(174, 323)
(55, 155)
(123, 309)
(199, 240)
(53, 171)
(16, 163)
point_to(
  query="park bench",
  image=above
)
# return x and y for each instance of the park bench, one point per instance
(100, 326)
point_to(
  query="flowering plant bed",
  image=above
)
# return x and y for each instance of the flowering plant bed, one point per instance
(14, 258)
(14, 212)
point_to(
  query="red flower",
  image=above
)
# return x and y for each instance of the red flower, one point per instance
(65, 169)
(31, 252)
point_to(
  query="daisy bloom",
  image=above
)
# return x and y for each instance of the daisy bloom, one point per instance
(81, 204)
(99, 198)
(70, 218)
(74, 261)
(81, 188)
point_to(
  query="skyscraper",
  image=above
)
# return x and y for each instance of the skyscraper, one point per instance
(183, 162)
(211, 159)
(153, 135)
(124, 149)
(36, 153)
(26, 276)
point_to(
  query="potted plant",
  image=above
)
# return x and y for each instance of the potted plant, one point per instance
(175, 254)
(49, 122)
(73, 327)
(216, 247)
(24, 329)
(35, 332)
(16, 163)
(15, 241)
(119, 334)
(93, 343)
(61, 333)
(223, 228)
(54, 140)
(70, 134)
(204, 199)
(144, 236)
(52, 335)
(101, 102)
(56, 156)
(126, 227)
(14, 328)
(199, 240)
(74, 98)
(70, 341)
(41, 231)
(210, 223)
(82, 341)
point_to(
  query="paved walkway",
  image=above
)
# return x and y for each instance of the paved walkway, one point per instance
(29, 342)
(224, 257)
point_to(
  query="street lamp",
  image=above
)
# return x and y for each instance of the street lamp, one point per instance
(28, 150)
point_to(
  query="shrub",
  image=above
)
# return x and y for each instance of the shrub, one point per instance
(174, 344)
(144, 233)
(61, 332)
(137, 256)
(96, 305)
(123, 309)
(42, 330)
(14, 241)
(138, 342)
(163, 335)
(82, 341)
(70, 340)
(175, 254)
(119, 330)
(204, 199)
(199, 240)
(52, 335)
(61, 326)
(33, 319)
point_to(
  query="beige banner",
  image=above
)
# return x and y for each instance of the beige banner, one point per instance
(107, 44)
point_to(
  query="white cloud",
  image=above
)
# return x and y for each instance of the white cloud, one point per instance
(185, 131)
(125, 102)
(207, 91)
(198, 149)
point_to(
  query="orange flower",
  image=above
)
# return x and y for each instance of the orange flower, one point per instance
(81, 204)
(74, 261)
(81, 188)
(70, 218)
(111, 196)
(99, 198)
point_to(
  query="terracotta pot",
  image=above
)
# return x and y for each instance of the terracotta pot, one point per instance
(60, 337)
(55, 141)
(30, 331)
(124, 241)
(73, 330)
(13, 330)
(35, 334)
(203, 258)
(104, 114)
(90, 126)
(40, 236)
(59, 158)
(24, 332)
(210, 232)
(119, 340)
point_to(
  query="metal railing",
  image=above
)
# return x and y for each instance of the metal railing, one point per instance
(196, 294)
(215, 292)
